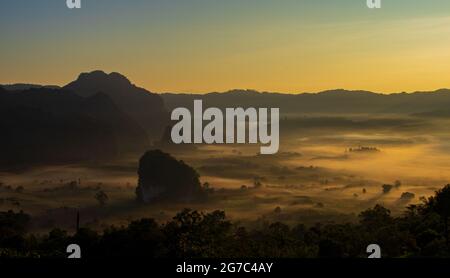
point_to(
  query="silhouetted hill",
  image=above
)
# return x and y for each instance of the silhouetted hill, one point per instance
(130, 136)
(162, 177)
(23, 86)
(41, 126)
(146, 108)
(333, 101)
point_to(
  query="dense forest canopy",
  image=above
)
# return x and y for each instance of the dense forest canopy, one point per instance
(422, 231)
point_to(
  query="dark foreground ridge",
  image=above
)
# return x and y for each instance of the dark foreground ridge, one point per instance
(421, 232)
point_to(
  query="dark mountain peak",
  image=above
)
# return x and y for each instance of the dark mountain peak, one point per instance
(96, 74)
(98, 78)
(118, 76)
(143, 106)
(113, 84)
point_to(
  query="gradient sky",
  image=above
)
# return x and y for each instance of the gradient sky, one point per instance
(216, 45)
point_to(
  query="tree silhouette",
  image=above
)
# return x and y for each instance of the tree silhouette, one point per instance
(440, 203)
(387, 188)
(101, 197)
(377, 217)
(419, 232)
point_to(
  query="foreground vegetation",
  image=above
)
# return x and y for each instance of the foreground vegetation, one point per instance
(422, 231)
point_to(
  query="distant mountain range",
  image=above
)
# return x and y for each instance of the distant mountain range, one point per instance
(101, 116)
(144, 106)
(333, 101)
(22, 86)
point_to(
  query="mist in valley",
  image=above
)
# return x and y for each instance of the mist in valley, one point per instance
(328, 169)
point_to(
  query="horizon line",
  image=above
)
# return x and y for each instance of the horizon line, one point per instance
(246, 90)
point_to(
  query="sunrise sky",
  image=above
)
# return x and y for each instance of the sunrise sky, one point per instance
(215, 45)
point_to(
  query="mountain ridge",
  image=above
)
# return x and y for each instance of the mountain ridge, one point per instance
(144, 107)
(330, 101)
(53, 126)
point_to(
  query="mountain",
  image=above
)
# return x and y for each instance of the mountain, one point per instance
(327, 102)
(52, 126)
(144, 107)
(23, 86)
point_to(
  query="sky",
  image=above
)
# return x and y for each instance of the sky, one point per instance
(201, 46)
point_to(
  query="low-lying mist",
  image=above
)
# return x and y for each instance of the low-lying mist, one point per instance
(328, 169)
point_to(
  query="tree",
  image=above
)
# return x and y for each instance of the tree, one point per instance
(13, 224)
(101, 197)
(387, 188)
(89, 240)
(194, 234)
(377, 217)
(440, 203)
(13, 227)
(55, 243)
(277, 210)
(257, 182)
